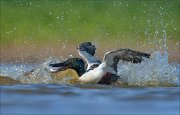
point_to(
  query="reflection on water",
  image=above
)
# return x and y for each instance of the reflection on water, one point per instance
(91, 99)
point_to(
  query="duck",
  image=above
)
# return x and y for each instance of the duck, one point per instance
(92, 70)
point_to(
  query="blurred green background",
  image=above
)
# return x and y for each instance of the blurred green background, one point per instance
(75, 21)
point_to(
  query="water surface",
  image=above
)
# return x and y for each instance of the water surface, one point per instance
(88, 99)
(83, 99)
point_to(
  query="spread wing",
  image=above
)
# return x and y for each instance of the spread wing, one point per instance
(87, 51)
(90, 60)
(112, 58)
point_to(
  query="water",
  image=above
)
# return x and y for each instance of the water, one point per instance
(153, 85)
(155, 71)
(88, 99)
(153, 88)
(46, 98)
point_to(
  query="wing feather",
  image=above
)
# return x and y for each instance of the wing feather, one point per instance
(112, 58)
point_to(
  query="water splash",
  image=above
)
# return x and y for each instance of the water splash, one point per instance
(155, 71)
(14, 70)
(40, 74)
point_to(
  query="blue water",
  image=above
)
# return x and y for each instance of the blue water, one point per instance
(84, 99)
(88, 99)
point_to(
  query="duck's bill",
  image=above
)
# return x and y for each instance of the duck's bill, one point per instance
(57, 67)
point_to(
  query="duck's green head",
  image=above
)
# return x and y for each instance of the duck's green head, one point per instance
(74, 63)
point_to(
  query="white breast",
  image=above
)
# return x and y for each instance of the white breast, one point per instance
(95, 75)
(92, 76)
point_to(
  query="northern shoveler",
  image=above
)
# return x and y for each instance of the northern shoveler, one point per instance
(104, 72)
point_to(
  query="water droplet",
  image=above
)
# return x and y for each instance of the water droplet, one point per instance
(71, 55)
(134, 18)
(177, 43)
